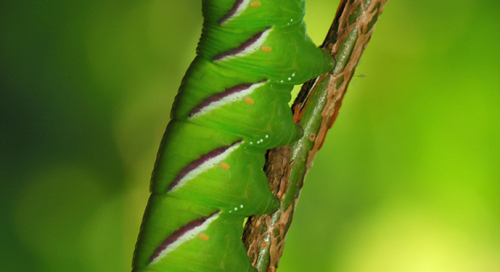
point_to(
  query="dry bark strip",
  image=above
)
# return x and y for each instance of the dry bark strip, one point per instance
(316, 109)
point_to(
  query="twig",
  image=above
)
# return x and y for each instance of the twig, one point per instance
(316, 109)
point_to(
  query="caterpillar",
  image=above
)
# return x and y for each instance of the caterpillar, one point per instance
(231, 107)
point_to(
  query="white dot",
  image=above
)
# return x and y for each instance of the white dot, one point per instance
(267, 136)
(241, 206)
(293, 74)
(289, 78)
(235, 208)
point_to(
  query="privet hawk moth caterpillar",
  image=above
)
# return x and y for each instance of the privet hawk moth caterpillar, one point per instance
(231, 107)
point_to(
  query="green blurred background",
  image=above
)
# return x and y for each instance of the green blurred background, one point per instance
(408, 179)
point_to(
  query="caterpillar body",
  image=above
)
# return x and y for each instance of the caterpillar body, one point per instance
(231, 107)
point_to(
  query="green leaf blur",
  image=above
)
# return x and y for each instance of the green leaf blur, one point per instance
(407, 179)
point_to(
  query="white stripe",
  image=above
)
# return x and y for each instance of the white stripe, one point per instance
(226, 100)
(184, 238)
(204, 167)
(238, 12)
(249, 50)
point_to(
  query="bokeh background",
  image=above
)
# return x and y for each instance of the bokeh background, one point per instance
(407, 181)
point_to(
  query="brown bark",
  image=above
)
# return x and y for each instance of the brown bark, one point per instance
(316, 109)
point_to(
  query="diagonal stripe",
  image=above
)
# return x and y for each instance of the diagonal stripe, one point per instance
(180, 236)
(235, 93)
(202, 164)
(248, 47)
(238, 8)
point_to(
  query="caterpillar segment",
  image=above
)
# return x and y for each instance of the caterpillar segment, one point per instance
(231, 107)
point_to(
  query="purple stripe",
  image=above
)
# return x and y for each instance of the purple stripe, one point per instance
(240, 48)
(179, 233)
(217, 97)
(231, 12)
(196, 163)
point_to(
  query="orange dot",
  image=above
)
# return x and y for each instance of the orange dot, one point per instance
(204, 237)
(249, 100)
(312, 137)
(266, 48)
(255, 4)
(224, 165)
(263, 244)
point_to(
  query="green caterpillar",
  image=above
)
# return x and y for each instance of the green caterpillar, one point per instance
(231, 107)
